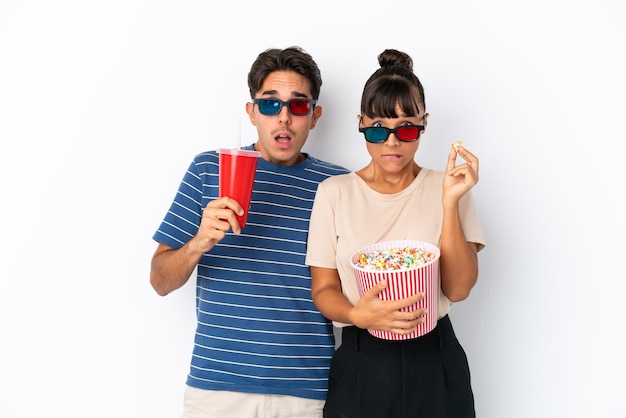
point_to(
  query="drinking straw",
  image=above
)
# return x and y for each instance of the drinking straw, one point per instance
(239, 133)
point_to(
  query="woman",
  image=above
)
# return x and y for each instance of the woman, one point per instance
(393, 198)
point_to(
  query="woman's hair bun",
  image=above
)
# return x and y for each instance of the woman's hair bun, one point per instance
(394, 57)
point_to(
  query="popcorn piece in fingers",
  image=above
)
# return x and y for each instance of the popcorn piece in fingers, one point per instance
(457, 144)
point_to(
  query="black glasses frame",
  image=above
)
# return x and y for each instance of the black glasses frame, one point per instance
(389, 131)
(311, 102)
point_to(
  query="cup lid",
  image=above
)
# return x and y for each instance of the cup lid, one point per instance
(237, 151)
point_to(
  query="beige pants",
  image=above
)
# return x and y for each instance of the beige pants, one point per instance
(201, 403)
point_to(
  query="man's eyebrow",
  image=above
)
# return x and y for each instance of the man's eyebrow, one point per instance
(293, 93)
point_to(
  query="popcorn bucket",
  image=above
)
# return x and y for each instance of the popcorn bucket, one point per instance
(402, 283)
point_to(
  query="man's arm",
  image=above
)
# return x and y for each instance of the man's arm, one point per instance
(171, 268)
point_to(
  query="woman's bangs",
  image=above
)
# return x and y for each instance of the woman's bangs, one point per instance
(387, 96)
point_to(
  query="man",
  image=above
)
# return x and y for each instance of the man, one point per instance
(261, 348)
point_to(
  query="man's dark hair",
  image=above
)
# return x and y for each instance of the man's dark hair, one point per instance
(289, 59)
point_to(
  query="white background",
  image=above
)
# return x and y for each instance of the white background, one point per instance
(103, 105)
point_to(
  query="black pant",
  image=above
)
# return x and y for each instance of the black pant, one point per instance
(425, 377)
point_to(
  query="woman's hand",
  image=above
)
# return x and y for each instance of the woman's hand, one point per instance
(375, 313)
(459, 178)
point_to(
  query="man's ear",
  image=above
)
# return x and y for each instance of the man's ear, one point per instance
(317, 113)
(250, 112)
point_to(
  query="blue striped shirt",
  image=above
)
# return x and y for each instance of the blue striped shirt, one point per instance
(258, 330)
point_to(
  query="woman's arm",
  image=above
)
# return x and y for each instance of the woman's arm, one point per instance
(459, 261)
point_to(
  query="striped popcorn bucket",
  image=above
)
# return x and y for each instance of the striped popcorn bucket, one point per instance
(403, 283)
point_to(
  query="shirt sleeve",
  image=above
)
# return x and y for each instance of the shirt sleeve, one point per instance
(470, 221)
(322, 238)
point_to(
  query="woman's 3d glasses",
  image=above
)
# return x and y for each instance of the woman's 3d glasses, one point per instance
(404, 133)
(297, 107)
